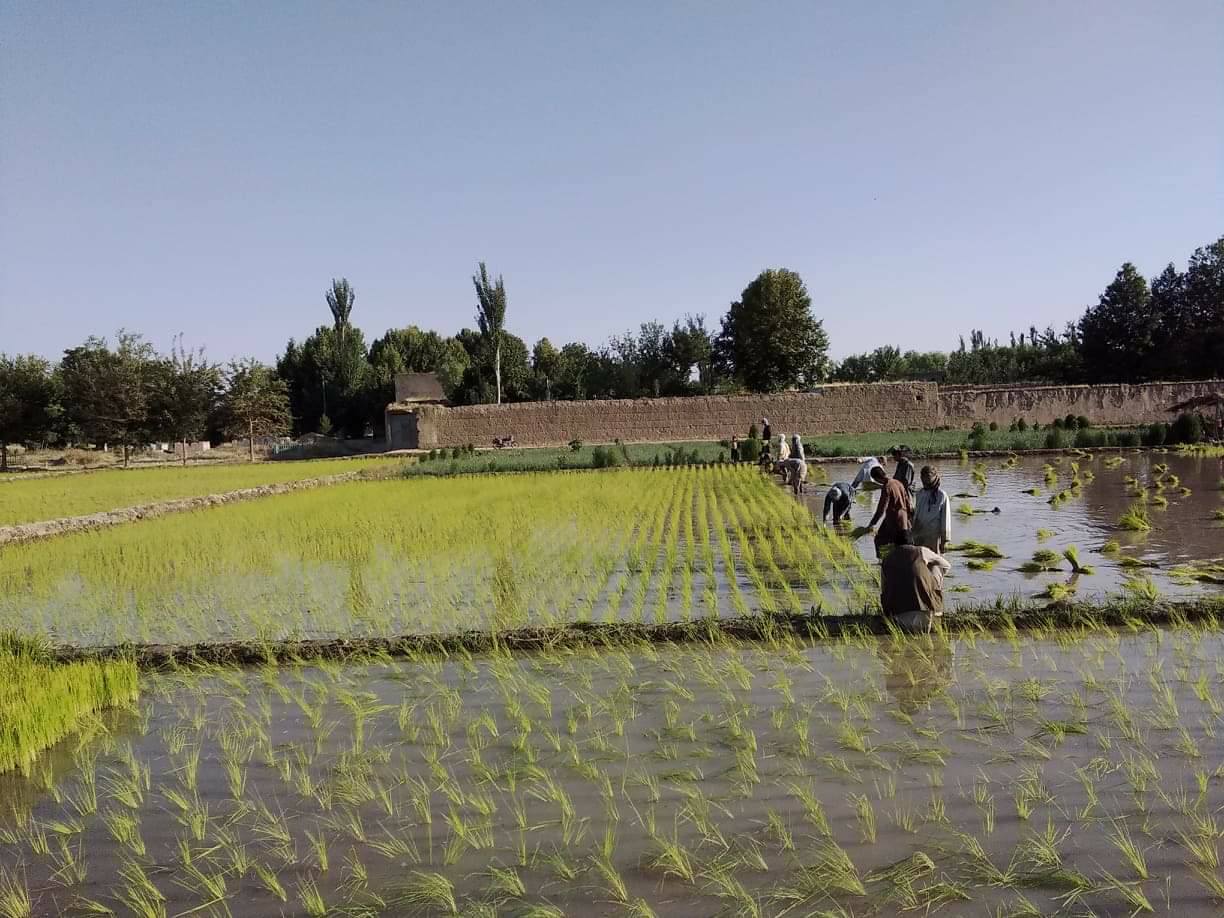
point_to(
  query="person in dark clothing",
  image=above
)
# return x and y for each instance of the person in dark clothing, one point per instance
(839, 499)
(893, 512)
(735, 451)
(766, 431)
(911, 584)
(905, 469)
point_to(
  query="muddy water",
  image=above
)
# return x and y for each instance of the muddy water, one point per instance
(1008, 772)
(1184, 531)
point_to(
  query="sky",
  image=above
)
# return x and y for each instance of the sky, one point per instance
(928, 168)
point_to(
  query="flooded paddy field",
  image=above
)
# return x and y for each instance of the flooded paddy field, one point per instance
(1180, 554)
(382, 558)
(1075, 772)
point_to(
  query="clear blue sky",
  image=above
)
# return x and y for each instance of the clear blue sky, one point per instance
(208, 167)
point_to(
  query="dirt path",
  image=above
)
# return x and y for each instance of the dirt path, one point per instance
(45, 529)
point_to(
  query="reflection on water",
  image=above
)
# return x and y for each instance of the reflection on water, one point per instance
(916, 669)
(1184, 530)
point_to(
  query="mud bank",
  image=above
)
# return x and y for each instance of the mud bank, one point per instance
(1132, 616)
(45, 529)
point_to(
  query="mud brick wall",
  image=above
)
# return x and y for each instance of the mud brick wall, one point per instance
(828, 409)
(1107, 405)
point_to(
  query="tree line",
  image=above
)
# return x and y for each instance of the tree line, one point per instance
(127, 394)
(1138, 331)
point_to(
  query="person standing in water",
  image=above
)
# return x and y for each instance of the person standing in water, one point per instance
(911, 584)
(863, 479)
(905, 469)
(766, 430)
(932, 513)
(893, 512)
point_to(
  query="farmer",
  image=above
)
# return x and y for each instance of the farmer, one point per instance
(863, 479)
(795, 472)
(766, 431)
(932, 513)
(911, 584)
(905, 469)
(893, 512)
(783, 448)
(839, 499)
(796, 448)
(735, 452)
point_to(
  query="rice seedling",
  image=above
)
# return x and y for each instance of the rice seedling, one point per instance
(1135, 519)
(1071, 553)
(1044, 559)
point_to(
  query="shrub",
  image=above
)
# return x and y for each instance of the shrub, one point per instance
(753, 433)
(1082, 422)
(1188, 428)
(1021, 425)
(1056, 439)
(994, 425)
(1057, 424)
(978, 436)
(1156, 435)
(1126, 438)
(1070, 422)
(575, 445)
(750, 449)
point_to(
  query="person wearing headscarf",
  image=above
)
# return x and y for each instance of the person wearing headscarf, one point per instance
(783, 448)
(796, 449)
(839, 499)
(905, 469)
(863, 479)
(932, 513)
(766, 430)
(795, 470)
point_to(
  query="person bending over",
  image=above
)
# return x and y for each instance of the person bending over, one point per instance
(911, 584)
(893, 512)
(863, 479)
(839, 499)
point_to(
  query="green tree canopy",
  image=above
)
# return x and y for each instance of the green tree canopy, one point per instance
(491, 319)
(29, 401)
(1118, 334)
(770, 340)
(108, 392)
(256, 402)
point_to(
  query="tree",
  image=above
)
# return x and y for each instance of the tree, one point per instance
(340, 299)
(1203, 296)
(28, 401)
(516, 376)
(107, 393)
(185, 394)
(328, 374)
(770, 340)
(411, 350)
(545, 360)
(491, 318)
(1116, 335)
(690, 346)
(256, 403)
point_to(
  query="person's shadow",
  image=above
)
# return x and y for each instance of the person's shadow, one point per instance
(916, 669)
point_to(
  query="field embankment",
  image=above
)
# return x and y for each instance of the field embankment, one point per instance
(31, 500)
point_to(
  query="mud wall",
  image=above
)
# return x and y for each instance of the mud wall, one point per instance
(1107, 405)
(828, 409)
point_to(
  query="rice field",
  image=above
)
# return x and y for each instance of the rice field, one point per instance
(1064, 773)
(48, 497)
(379, 558)
(1068, 771)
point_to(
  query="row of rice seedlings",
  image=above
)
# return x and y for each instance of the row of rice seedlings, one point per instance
(474, 782)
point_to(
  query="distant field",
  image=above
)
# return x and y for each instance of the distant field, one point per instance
(47, 498)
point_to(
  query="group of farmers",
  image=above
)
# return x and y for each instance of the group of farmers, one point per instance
(911, 526)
